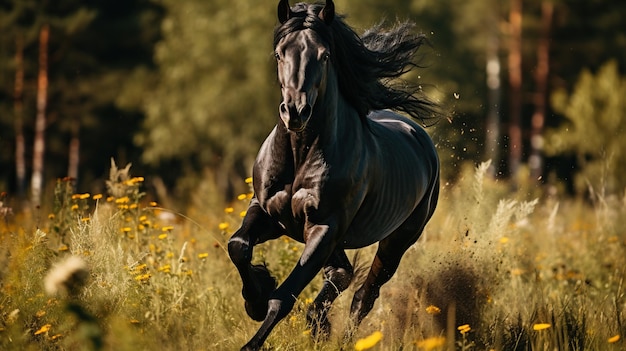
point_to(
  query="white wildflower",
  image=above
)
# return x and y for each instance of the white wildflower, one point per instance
(68, 276)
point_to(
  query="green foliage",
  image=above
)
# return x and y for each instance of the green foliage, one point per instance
(596, 119)
(215, 98)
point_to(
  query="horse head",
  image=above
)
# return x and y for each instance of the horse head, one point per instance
(302, 56)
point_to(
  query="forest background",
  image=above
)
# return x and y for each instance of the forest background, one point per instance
(185, 90)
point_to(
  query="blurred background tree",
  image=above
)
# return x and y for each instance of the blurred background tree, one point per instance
(186, 90)
(93, 49)
(593, 132)
(216, 95)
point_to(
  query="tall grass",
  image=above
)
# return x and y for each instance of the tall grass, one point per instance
(493, 270)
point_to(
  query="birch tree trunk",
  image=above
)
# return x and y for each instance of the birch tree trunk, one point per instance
(18, 110)
(40, 121)
(492, 68)
(535, 161)
(515, 84)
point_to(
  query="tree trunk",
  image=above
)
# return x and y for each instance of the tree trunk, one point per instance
(18, 109)
(492, 69)
(40, 121)
(535, 161)
(515, 81)
(74, 151)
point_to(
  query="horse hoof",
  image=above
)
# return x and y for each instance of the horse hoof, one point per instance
(256, 310)
(256, 302)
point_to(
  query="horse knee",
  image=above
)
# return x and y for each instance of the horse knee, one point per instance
(239, 251)
(340, 278)
(279, 308)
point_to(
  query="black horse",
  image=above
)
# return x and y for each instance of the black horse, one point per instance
(339, 170)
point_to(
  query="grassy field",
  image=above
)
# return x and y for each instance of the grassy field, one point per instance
(493, 270)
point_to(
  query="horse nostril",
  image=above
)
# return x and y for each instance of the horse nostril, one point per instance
(306, 111)
(283, 108)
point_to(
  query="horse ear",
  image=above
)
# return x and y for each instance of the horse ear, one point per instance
(328, 12)
(284, 11)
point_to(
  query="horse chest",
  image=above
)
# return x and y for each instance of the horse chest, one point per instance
(290, 207)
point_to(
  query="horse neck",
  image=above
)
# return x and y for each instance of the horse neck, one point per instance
(333, 123)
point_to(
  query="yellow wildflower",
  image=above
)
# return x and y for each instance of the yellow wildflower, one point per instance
(167, 228)
(369, 341)
(97, 197)
(125, 229)
(143, 278)
(229, 210)
(614, 339)
(137, 179)
(242, 196)
(84, 196)
(248, 180)
(85, 219)
(431, 343)
(152, 204)
(75, 196)
(242, 214)
(434, 310)
(223, 226)
(140, 268)
(40, 313)
(504, 240)
(517, 271)
(63, 248)
(143, 218)
(162, 236)
(122, 200)
(134, 321)
(464, 328)
(541, 326)
(43, 329)
(165, 269)
(74, 207)
(203, 255)
(110, 198)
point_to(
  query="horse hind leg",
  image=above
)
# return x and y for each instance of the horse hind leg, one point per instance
(258, 284)
(387, 259)
(338, 273)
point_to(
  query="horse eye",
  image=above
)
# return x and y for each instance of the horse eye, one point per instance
(325, 56)
(277, 56)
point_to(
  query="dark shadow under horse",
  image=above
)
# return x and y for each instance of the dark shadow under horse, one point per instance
(339, 170)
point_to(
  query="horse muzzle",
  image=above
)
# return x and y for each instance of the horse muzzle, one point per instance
(295, 117)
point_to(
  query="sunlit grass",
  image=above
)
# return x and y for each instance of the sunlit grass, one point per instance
(493, 270)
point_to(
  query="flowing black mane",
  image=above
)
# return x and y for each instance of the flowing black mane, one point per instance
(367, 67)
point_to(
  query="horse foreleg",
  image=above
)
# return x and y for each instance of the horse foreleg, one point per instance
(317, 250)
(338, 274)
(258, 284)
